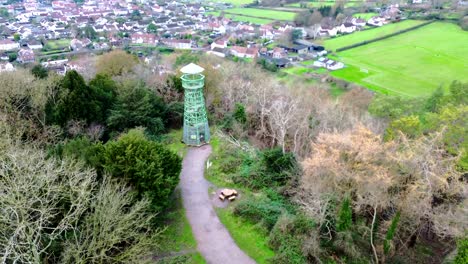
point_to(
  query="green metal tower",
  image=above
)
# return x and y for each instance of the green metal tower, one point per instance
(196, 129)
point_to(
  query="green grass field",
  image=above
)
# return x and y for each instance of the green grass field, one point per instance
(365, 16)
(262, 13)
(349, 39)
(57, 44)
(248, 236)
(411, 64)
(254, 20)
(315, 4)
(236, 2)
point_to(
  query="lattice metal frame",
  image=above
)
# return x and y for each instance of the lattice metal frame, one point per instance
(196, 129)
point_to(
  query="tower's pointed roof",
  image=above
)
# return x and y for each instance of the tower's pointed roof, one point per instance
(192, 68)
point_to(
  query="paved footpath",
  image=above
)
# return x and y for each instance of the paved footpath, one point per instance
(213, 240)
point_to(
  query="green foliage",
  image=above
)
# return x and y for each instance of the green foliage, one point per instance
(148, 166)
(12, 56)
(260, 210)
(82, 148)
(394, 107)
(459, 93)
(272, 168)
(296, 34)
(16, 37)
(269, 66)
(76, 101)
(408, 125)
(152, 28)
(137, 106)
(239, 113)
(186, 58)
(391, 233)
(4, 12)
(89, 32)
(104, 90)
(136, 15)
(434, 101)
(287, 237)
(462, 252)
(345, 216)
(39, 71)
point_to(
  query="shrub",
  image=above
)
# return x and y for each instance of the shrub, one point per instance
(260, 210)
(148, 166)
(82, 148)
(39, 71)
(274, 169)
(391, 233)
(462, 252)
(286, 238)
(75, 100)
(137, 106)
(345, 216)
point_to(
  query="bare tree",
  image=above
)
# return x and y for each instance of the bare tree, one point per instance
(281, 118)
(115, 220)
(40, 200)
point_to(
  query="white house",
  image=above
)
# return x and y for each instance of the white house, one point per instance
(7, 44)
(376, 21)
(331, 31)
(347, 28)
(7, 67)
(34, 45)
(220, 43)
(178, 43)
(328, 64)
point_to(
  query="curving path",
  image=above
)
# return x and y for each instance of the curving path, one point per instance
(213, 240)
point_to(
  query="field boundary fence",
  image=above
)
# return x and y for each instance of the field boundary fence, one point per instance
(365, 42)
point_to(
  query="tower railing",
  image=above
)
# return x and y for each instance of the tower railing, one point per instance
(193, 81)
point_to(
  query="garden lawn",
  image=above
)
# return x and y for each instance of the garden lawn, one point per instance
(365, 16)
(353, 38)
(255, 20)
(262, 13)
(411, 64)
(57, 44)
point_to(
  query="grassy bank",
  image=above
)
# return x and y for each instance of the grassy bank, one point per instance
(250, 238)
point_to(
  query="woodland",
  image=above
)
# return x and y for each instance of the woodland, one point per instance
(86, 173)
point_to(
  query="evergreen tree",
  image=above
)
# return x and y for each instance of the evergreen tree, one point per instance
(148, 166)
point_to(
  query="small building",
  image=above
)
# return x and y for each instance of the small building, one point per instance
(328, 64)
(178, 43)
(142, 38)
(244, 52)
(217, 52)
(34, 45)
(26, 56)
(78, 44)
(7, 44)
(219, 43)
(347, 28)
(7, 67)
(300, 49)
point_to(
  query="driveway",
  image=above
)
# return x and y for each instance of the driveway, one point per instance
(213, 240)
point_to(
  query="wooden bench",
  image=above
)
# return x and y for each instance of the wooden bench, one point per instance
(221, 197)
(232, 198)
